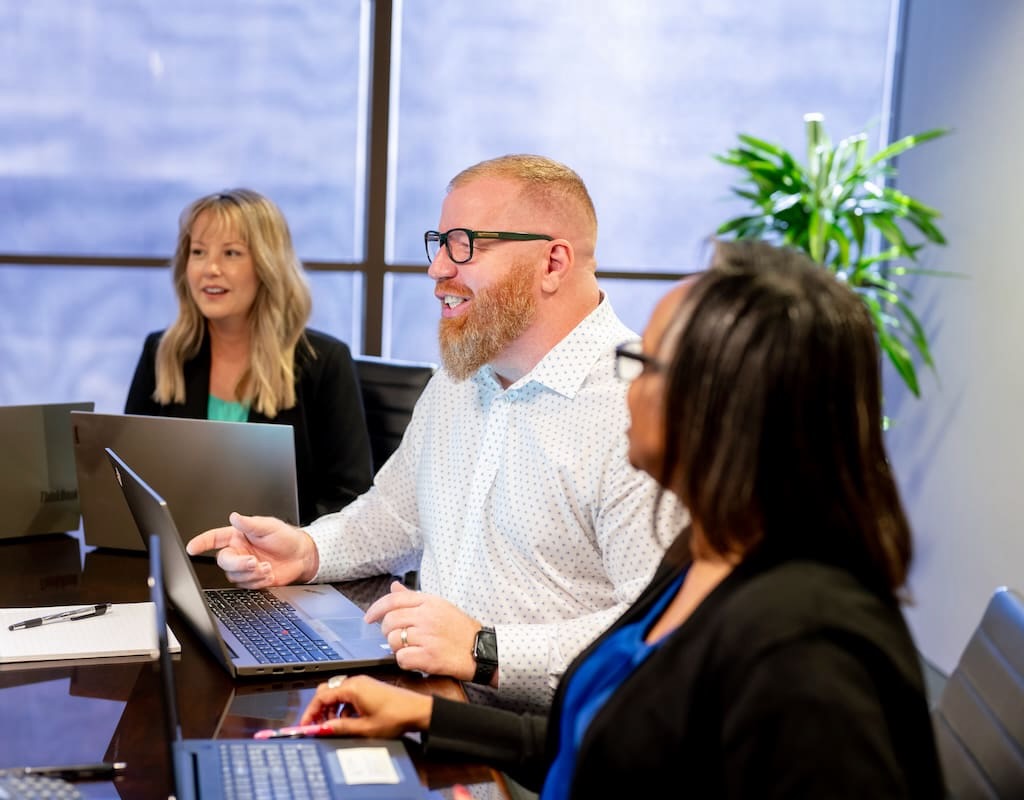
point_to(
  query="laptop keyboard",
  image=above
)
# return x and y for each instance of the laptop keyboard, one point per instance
(35, 787)
(269, 628)
(281, 770)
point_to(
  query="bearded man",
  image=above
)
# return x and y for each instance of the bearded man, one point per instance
(511, 492)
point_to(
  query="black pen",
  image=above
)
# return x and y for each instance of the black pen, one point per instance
(103, 771)
(70, 615)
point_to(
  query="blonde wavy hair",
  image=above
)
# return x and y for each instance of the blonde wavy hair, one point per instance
(278, 316)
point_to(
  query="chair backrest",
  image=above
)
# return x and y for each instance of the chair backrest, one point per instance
(979, 718)
(390, 391)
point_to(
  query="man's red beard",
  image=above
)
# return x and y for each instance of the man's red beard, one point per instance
(499, 315)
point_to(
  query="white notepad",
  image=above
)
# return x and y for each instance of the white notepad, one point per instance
(127, 629)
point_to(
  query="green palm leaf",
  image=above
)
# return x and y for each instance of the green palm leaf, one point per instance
(827, 207)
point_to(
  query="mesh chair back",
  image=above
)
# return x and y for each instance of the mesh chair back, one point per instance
(390, 391)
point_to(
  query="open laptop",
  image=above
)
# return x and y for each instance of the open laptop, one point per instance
(211, 769)
(38, 489)
(205, 468)
(303, 628)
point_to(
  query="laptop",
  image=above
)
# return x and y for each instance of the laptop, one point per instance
(287, 629)
(38, 489)
(205, 468)
(212, 769)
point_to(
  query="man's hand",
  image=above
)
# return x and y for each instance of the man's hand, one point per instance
(438, 637)
(257, 552)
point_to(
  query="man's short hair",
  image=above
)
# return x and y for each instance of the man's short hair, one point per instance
(547, 184)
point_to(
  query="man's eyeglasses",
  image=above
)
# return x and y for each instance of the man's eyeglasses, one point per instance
(631, 361)
(459, 241)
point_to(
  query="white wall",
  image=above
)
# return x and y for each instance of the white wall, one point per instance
(958, 451)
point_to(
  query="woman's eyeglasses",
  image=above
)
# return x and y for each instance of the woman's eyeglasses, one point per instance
(631, 361)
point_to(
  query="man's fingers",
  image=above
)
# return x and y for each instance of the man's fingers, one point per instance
(401, 596)
(241, 564)
(254, 528)
(210, 540)
(250, 583)
(245, 570)
(382, 606)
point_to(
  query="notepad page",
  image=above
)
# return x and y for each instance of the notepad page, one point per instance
(126, 629)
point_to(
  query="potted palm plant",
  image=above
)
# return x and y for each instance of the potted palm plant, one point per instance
(838, 209)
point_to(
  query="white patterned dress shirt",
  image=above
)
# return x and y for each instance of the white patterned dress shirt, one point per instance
(517, 505)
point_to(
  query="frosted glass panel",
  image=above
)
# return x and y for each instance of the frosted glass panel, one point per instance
(636, 97)
(151, 104)
(411, 314)
(117, 114)
(83, 335)
(634, 300)
(338, 306)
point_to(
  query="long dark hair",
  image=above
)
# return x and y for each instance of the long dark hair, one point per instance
(773, 416)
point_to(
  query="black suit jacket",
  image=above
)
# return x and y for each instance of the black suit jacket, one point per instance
(790, 680)
(332, 447)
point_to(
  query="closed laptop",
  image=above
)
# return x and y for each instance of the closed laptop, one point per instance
(38, 487)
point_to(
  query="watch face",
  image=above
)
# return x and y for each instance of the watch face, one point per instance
(485, 653)
(485, 647)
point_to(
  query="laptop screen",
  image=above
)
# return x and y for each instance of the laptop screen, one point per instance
(168, 696)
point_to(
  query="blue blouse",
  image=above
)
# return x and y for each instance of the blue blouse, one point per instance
(593, 682)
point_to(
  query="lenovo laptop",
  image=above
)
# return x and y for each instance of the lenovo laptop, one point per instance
(302, 628)
(212, 769)
(38, 489)
(205, 468)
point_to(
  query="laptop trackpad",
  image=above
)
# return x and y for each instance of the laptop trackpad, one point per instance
(346, 628)
(360, 639)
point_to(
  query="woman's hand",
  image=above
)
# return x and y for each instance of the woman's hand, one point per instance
(359, 705)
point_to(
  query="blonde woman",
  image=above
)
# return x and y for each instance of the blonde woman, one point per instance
(240, 350)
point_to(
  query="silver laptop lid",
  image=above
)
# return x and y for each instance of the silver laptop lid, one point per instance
(38, 487)
(205, 469)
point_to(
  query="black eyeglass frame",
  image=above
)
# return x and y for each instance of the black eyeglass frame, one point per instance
(442, 239)
(631, 351)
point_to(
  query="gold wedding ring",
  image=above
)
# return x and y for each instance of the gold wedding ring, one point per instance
(405, 637)
(335, 681)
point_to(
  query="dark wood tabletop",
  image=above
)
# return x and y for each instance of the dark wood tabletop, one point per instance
(97, 710)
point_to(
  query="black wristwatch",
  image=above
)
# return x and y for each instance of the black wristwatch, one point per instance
(485, 654)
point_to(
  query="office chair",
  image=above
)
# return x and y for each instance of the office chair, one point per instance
(390, 390)
(979, 717)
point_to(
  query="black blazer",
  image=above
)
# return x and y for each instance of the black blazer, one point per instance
(332, 447)
(740, 701)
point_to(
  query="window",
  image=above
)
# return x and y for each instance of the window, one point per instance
(118, 114)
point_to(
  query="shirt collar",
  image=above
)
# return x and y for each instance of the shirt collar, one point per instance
(567, 365)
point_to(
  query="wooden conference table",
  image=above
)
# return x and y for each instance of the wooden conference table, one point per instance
(101, 711)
